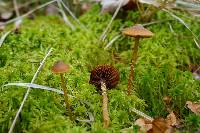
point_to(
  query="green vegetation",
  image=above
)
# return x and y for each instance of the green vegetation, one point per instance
(161, 70)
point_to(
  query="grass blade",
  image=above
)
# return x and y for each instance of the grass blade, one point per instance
(4, 37)
(36, 86)
(112, 41)
(73, 16)
(103, 36)
(181, 21)
(196, 42)
(27, 93)
(65, 18)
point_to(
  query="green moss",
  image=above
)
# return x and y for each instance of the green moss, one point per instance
(161, 71)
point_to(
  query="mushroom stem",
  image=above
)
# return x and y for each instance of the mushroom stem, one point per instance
(66, 96)
(106, 118)
(133, 62)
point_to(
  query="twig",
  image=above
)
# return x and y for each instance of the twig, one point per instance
(196, 43)
(156, 22)
(28, 13)
(73, 16)
(64, 15)
(142, 114)
(27, 92)
(103, 36)
(19, 21)
(112, 41)
(16, 8)
(22, 5)
(181, 21)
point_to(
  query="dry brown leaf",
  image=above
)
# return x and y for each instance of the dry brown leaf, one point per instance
(144, 124)
(171, 119)
(194, 107)
(160, 125)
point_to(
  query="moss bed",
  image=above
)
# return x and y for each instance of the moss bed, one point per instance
(162, 70)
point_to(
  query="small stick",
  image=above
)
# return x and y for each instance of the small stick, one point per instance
(103, 36)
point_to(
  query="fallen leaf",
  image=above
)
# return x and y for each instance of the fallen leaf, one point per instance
(171, 119)
(144, 124)
(157, 125)
(194, 107)
(160, 125)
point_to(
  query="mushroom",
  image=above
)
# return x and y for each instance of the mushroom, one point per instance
(60, 67)
(104, 77)
(137, 31)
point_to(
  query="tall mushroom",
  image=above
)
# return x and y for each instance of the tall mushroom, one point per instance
(104, 77)
(60, 67)
(138, 32)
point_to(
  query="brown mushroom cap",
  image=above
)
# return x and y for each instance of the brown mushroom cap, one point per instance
(60, 67)
(104, 73)
(137, 31)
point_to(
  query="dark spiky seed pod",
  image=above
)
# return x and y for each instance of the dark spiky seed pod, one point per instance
(104, 73)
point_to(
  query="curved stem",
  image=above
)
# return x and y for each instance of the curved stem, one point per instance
(133, 62)
(66, 96)
(106, 118)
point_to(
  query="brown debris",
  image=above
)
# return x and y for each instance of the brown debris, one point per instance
(194, 107)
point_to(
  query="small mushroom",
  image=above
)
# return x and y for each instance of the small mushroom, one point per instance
(104, 77)
(60, 67)
(138, 32)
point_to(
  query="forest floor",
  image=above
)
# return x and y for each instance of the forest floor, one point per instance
(162, 70)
